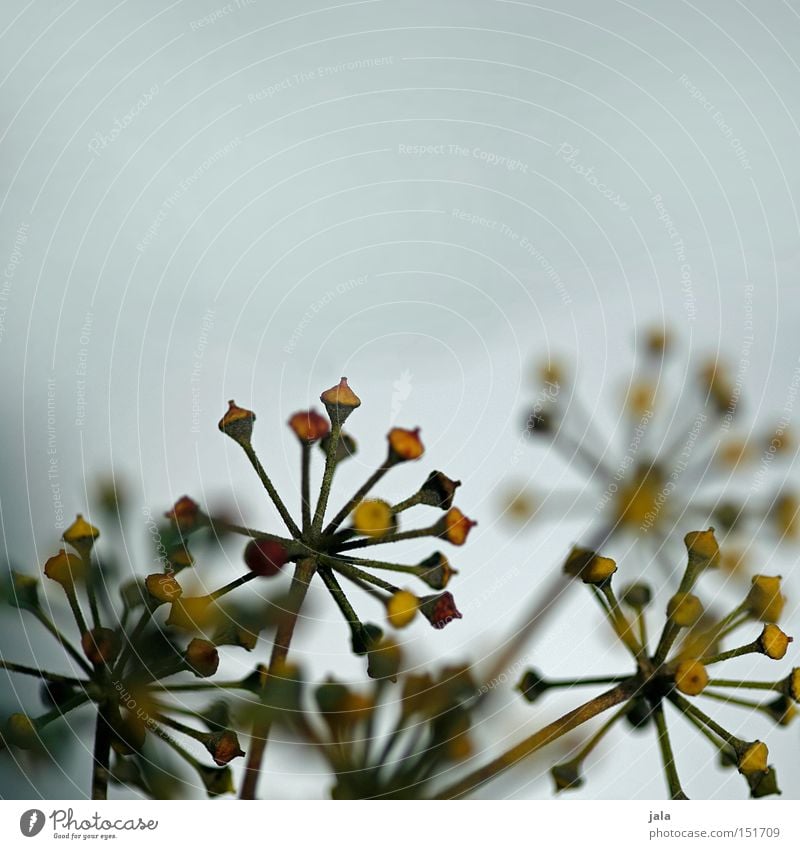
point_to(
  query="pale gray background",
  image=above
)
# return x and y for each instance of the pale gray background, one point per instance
(308, 188)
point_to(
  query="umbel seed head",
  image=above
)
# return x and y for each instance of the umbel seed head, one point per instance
(238, 424)
(340, 401)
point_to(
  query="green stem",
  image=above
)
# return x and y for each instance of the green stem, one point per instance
(40, 673)
(692, 710)
(230, 528)
(356, 498)
(622, 692)
(354, 573)
(748, 685)
(271, 491)
(667, 757)
(75, 606)
(327, 478)
(101, 755)
(751, 648)
(243, 579)
(65, 643)
(304, 572)
(305, 484)
(411, 501)
(403, 535)
(335, 589)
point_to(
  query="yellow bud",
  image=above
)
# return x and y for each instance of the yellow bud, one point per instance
(702, 546)
(340, 401)
(685, 609)
(21, 731)
(773, 642)
(401, 608)
(754, 758)
(691, 677)
(598, 569)
(765, 600)
(64, 569)
(456, 526)
(163, 587)
(374, 518)
(191, 613)
(81, 535)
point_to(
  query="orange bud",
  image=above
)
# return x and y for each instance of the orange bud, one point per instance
(340, 401)
(455, 526)
(404, 445)
(100, 645)
(203, 658)
(238, 423)
(309, 426)
(185, 513)
(81, 535)
(64, 569)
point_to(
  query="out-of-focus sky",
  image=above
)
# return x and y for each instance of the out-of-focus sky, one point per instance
(202, 201)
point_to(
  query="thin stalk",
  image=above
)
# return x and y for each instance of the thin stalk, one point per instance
(411, 501)
(541, 738)
(335, 589)
(120, 665)
(40, 673)
(667, 757)
(748, 685)
(101, 755)
(403, 535)
(327, 478)
(304, 572)
(596, 738)
(271, 491)
(353, 572)
(75, 606)
(235, 584)
(620, 622)
(356, 498)
(750, 648)
(242, 530)
(305, 484)
(91, 590)
(65, 643)
(692, 710)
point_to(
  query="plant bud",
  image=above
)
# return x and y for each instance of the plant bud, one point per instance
(21, 731)
(202, 657)
(781, 710)
(374, 518)
(702, 547)
(786, 513)
(685, 609)
(309, 426)
(23, 591)
(764, 599)
(454, 526)
(532, 686)
(238, 424)
(340, 401)
(384, 660)
(637, 596)
(365, 636)
(65, 569)
(185, 514)
(773, 642)
(191, 614)
(101, 646)
(217, 780)
(265, 557)
(81, 535)
(346, 446)
(439, 610)
(439, 490)
(404, 445)
(589, 566)
(763, 784)
(401, 608)
(436, 571)
(791, 685)
(566, 776)
(753, 758)
(691, 677)
(223, 747)
(163, 587)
